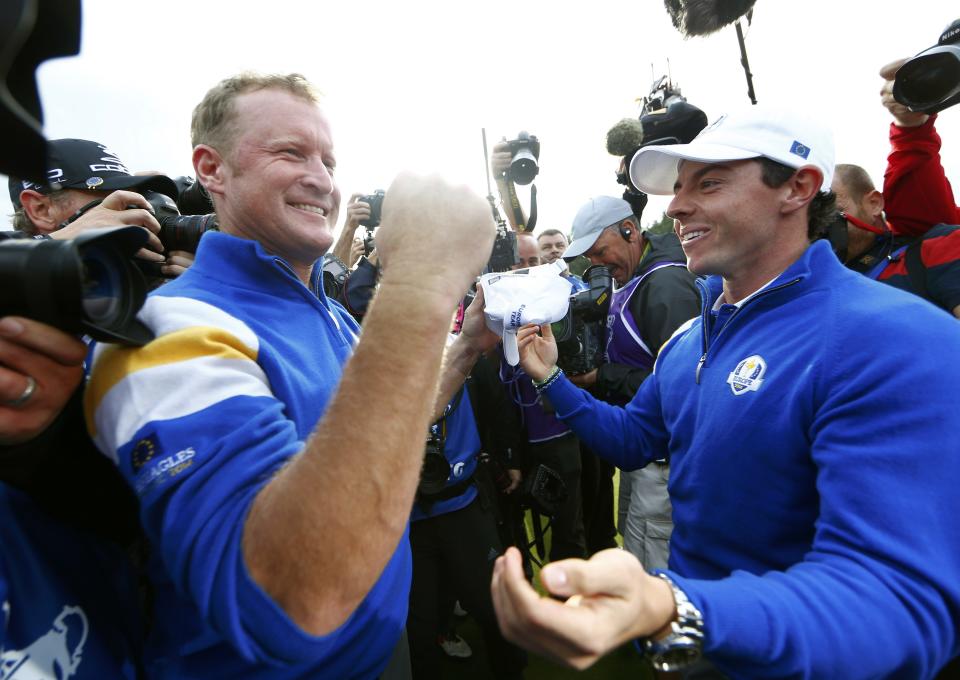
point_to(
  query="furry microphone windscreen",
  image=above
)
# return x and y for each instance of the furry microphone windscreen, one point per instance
(702, 17)
(625, 137)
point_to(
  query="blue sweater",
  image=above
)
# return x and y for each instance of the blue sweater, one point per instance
(245, 362)
(814, 465)
(68, 599)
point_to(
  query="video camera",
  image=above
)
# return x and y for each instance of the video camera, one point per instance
(580, 334)
(930, 82)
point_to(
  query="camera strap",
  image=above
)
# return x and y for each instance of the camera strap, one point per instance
(517, 211)
(79, 213)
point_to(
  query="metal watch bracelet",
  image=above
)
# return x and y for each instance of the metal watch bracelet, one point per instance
(684, 644)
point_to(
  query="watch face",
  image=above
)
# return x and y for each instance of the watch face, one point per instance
(679, 657)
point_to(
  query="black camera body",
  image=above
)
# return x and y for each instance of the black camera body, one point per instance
(544, 491)
(930, 82)
(504, 254)
(375, 201)
(525, 152)
(178, 232)
(581, 333)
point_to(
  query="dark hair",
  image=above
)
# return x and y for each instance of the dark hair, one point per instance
(551, 232)
(822, 208)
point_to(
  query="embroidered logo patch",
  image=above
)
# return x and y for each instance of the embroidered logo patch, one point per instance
(748, 375)
(799, 149)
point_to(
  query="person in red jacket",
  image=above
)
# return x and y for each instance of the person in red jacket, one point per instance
(916, 190)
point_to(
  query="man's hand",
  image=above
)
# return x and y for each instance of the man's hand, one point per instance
(357, 212)
(422, 211)
(538, 352)
(113, 211)
(515, 477)
(177, 262)
(902, 116)
(40, 367)
(474, 329)
(584, 380)
(356, 252)
(500, 160)
(609, 600)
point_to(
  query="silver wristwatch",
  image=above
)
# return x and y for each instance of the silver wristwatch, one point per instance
(684, 644)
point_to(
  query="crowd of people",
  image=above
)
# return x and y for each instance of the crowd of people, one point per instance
(293, 479)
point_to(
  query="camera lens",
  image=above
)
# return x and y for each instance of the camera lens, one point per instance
(87, 285)
(101, 287)
(523, 167)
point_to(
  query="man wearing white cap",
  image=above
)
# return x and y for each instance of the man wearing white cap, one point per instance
(655, 294)
(814, 535)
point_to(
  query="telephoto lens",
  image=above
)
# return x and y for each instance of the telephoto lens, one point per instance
(87, 285)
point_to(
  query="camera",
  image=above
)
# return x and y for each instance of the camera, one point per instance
(192, 197)
(525, 151)
(579, 335)
(86, 285)
(436, 469)
(178, 232)
(930, 82)
(544, 491)
(504, 254)
(375, 201)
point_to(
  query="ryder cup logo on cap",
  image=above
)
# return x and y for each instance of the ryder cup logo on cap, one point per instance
(783, 135)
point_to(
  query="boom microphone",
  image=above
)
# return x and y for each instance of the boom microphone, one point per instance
(625, 137)
(702, 17)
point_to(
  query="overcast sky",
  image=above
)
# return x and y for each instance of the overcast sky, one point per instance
(410, 84)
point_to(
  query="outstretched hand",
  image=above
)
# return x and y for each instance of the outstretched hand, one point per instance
(538, 350)
(606, 601)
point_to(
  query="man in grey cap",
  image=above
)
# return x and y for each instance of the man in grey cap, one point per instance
(811, 484)
(655, 294)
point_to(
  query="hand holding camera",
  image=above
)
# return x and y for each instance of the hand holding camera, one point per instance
(902, 116)
(120, 208)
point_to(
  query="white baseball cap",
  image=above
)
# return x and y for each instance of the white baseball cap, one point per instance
(782, 135)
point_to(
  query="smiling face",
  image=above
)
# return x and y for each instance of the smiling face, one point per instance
(729, 223)
(278, 182)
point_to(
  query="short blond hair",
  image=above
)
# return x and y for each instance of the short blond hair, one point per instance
(214, 117)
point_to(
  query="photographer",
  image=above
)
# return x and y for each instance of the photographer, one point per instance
(552, 244)
(655, 294)
(916, 192)
(66, 517)
(80, 173)
(927, 266)
(453, 531)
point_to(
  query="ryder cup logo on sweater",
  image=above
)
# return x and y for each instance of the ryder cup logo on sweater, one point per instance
(748, 375)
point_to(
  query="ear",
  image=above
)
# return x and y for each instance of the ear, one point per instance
(872, 202)
(801, 188)
(628, 230)
(210, 168)
(39, 210)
